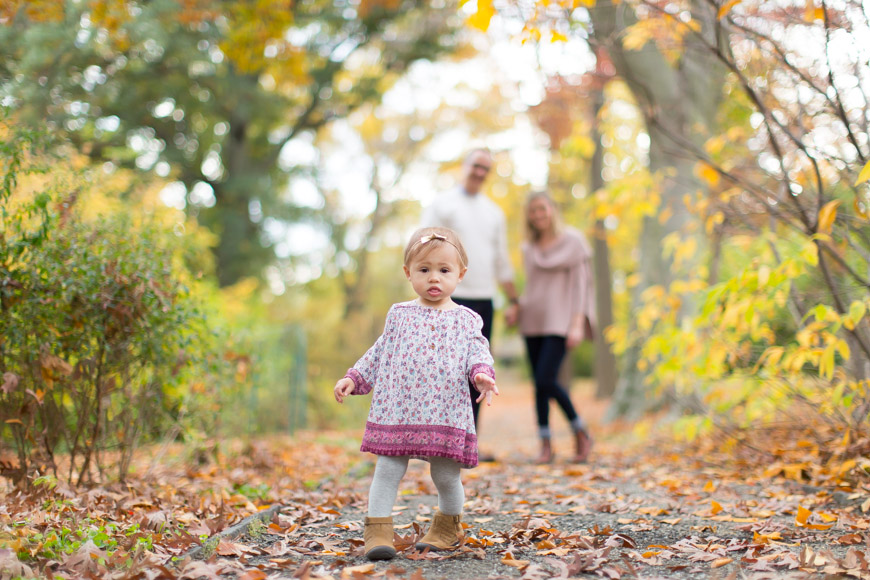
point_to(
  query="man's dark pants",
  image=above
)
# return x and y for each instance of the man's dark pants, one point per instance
(485, 309)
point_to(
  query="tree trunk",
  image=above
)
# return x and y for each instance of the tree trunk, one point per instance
(605, 362)
(676, 100)
(238, 249)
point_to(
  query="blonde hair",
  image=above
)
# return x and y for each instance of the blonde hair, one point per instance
(424, 240)
(556, 222)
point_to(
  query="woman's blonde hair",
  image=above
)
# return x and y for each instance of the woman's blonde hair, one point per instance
(556, 223)
(424, 240)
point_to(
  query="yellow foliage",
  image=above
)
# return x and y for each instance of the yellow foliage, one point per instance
(827, 215)
(254, 26)
(713, 220)
(813, 13)
(665, 30)
(638, 34)
(726, 8)
(530, 34)
(715, 144)
(685, 251)
(707, 174)
(482, 17)
(37, 10)
(556, 36)
(810, 253)
(856, 312)
(864, 175)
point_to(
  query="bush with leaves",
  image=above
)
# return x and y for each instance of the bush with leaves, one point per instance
(101, 332)
(784, 315)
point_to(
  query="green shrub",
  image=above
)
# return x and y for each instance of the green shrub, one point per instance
(102, 343)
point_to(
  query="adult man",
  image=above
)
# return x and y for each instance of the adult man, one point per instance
(481, 226)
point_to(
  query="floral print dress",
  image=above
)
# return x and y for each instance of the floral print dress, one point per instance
(418, 372)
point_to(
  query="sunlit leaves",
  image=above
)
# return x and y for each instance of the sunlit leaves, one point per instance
(864, 175)
(481, 18)
(33, 10)
(813, 12)
(708, 174)
(804, 518)
(556, 36)
(666, 31)
(681, 249)
(827, 215)
(726, 8)
(256, 33)
(856, 313)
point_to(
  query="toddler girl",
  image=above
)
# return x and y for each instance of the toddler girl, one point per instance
(418, 372)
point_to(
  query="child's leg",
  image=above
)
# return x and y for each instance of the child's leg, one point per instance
(445, 532)
(385, 485)
(445, 476)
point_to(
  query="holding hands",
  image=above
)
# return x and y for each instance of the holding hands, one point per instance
(512, 314)
(487, 387)
(343, 388)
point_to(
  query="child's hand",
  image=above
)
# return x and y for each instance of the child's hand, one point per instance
(486, 385)
(343, 388)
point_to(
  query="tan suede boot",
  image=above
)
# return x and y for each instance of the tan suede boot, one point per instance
(444, 534)
(379, 538)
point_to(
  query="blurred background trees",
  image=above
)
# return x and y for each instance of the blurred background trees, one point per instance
(750, 289)
(209, 93)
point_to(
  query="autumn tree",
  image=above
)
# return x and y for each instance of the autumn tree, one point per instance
(789, 177)
(678, 90)
(777, 179)
(209, 93)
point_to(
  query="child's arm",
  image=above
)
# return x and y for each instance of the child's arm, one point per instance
(487, 387)
(361, 376)
(343, 388)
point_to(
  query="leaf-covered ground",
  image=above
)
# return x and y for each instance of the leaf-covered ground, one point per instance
(294, 507)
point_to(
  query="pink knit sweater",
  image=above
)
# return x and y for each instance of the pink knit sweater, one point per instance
(558, 285)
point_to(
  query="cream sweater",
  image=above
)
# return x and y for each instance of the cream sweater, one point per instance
(482, 227)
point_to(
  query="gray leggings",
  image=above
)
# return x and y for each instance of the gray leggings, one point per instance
(389, 472)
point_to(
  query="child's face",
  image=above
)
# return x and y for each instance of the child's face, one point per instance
(436, 275)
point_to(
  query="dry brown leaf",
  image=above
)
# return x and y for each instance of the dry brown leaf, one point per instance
(350, 571)
(515, 563)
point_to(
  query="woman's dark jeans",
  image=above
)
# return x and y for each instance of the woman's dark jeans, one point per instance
(545, 355)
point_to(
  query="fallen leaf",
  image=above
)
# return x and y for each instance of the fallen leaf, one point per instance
(350, 571)
(509, 560)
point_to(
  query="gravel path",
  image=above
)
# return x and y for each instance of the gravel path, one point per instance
(621, 516)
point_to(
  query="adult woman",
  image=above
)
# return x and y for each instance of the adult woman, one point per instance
(556, 312)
